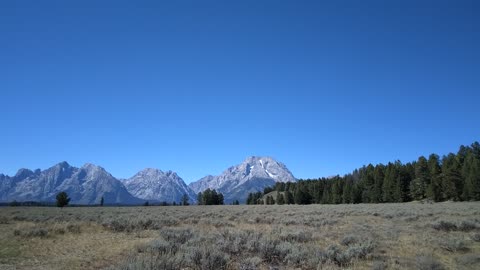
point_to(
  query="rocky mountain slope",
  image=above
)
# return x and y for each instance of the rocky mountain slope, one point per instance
(156, 185)
(85, 185)
(253, 174)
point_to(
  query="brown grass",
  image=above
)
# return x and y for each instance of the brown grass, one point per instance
(107, 236)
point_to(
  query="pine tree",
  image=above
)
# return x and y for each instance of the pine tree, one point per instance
(337, 192)
(220, 199)
(347, 190)
(280, 198)
(389, 183)
(200, 199)
(434, 190)
(367, 180)
(418, 187)
(185, 199)
(249, 198)
(452, 183)
(471, 172)
(289, 197)
(378, 177)
(62, 199)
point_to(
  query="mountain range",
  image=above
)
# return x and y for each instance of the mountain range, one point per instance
(89, 183)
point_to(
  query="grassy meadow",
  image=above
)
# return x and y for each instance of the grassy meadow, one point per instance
(362, 236)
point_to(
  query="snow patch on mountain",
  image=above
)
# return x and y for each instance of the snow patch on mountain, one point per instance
(253, 174)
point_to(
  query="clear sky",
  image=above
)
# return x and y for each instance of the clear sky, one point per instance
(197, 86)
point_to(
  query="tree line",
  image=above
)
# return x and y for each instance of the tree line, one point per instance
(210, 197)
(455, 176)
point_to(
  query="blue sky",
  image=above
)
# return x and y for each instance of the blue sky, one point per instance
(197, 86)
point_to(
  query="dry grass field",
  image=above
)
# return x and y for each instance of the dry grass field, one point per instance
(365, 236)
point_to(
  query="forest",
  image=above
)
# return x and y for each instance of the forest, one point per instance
(455, 176)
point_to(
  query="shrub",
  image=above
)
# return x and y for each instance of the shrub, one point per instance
(359, 251)
(73, 228)
(444, 226)
(335, 255)
(452, 245)
(37, 232)
(268, 249)
(3, 220)
(296, 255)
(159, 246)
(213, 260)
(250, 263)
(204, 259)
(349, 240)
(151, 262)
(379, 265)
(194, 256)
(299, 236)
(178, 236)
(467, 226)
(475, 237)
(469, 259)
(427, 263)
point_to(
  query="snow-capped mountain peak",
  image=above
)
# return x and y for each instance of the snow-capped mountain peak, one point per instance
(253, 174)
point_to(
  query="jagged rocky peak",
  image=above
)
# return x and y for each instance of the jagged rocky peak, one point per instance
(94, 170)
(253, 174)
(265, 167)
(85, 185)
(154, 184)
(24, 173)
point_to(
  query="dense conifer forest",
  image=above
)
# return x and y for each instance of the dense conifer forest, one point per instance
(452, 177)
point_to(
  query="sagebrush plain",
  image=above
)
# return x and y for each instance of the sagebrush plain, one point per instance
(364, 236)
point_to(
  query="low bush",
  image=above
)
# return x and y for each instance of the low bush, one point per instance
(475, 237)
(349, 240)
(250, 263)
(467, 226)
(468, 259)
(452, 244)
(427, 263)
(444, 226)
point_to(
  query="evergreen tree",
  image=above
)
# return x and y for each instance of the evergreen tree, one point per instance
(378, 177)
(337, 191)
(185, 199)
(452, 183)
(289, 197)
(367, 181)
(418, 187)
(471, 172)
(326, 195)
(301, 195)
(347, 190)
(200, 199)
(220, 199)
(62, 199)
(434, 191)
(280, 198)
(389, 183)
